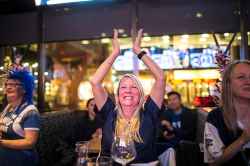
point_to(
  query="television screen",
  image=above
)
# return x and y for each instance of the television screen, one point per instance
(174, 59)
(202, 57)
(169, 58)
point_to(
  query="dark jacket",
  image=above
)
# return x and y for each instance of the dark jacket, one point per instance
(187, 131)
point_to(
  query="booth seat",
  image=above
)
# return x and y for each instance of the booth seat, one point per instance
(60, 130)
(189, 153)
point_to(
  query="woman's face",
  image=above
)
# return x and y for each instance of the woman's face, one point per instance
(240, 81)
(13, 90)
(129, 95)
(91, 106)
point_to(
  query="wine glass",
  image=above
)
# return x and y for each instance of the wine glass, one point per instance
(82, 152)
(123, 150)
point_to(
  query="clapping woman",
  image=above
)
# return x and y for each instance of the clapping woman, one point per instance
(130, 113)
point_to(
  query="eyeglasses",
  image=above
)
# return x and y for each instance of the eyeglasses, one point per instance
(12, 84)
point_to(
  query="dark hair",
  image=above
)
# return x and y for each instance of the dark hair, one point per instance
(89, 100)
(27, 82)
(174, 93)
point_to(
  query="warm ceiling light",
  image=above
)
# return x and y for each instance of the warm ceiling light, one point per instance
(84, 91)
(196, 74)
(84, 42)
(26, 64)
(35, 65)
(199, 15)
(184, 40)
(124, 35)
(185, 36)
(202, 39)
(105, 40)
(121, 30)
(204, 35)
(165, 38)
(103, 34)
(47, 84)
(226, 34)
(146, 39)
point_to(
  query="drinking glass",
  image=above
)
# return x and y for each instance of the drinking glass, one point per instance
(123, 150)
(82, 148)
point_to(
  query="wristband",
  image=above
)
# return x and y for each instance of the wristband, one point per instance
(141, 54)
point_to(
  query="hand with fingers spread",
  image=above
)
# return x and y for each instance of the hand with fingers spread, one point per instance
(137, 42)
(115, 43)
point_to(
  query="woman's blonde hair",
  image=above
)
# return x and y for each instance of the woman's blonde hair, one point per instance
(122, 125)
(229, 112)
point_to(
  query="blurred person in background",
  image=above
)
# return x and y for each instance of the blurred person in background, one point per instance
(94, 120)
(91, 109)
(177, 121)
(19, 121)
(227, 129)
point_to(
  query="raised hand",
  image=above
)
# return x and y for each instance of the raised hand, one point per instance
(137, 42)
(115, 43)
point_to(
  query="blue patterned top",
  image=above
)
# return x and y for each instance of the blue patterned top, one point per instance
(13, 122)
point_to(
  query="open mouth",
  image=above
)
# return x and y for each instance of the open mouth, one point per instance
(128, 97)
(9, 91)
